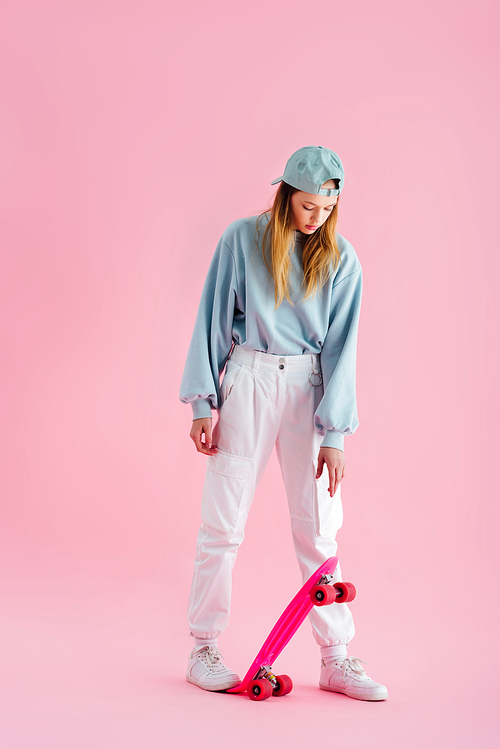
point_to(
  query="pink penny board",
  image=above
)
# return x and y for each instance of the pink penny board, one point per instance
(286, 626)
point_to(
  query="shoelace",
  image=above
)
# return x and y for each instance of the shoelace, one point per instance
(212, 657)
(354, 664)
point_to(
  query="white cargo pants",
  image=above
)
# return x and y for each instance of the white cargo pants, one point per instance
(267, 400)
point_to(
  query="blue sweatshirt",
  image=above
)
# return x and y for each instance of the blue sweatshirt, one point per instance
(237, 304)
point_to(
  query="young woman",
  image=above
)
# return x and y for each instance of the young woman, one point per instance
(280, 310)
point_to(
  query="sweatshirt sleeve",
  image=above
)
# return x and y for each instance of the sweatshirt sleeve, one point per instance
(336, 414)
(212, 336)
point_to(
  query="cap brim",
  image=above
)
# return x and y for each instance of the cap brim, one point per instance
(276, 180)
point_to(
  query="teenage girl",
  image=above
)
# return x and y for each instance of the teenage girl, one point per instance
(280, 310)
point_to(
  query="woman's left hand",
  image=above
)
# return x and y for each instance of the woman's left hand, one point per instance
(335, 463)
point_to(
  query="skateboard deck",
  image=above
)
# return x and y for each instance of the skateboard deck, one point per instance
(259, 681)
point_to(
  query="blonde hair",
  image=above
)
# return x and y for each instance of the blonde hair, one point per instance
(320, 253)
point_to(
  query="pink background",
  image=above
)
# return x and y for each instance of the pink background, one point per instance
(132, 133)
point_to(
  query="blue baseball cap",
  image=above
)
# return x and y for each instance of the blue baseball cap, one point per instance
(310, 167)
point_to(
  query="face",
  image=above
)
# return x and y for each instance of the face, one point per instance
(310, 211)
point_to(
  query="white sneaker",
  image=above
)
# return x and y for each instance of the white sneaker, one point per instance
(206, 670)
(348, 677)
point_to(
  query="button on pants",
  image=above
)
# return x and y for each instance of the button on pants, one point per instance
(267, 400)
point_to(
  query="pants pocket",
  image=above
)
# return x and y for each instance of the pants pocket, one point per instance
(328, 512)
(225, 481)
(233, 374)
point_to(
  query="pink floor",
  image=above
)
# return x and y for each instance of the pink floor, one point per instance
(104, 667)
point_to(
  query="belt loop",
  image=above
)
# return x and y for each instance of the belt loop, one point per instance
(256, 361)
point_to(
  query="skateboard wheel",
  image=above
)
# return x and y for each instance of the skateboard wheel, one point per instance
(285, 686)
(322, 595)
(259, 689)
(345, 592)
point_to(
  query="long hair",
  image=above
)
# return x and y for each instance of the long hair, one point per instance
(320, 253)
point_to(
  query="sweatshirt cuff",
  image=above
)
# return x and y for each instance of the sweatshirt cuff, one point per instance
(333, 439)
(201, 409)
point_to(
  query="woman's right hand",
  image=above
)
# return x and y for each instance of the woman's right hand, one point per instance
(200, 427)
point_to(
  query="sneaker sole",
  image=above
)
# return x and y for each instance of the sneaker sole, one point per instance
(371, 698)
(215, 687)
